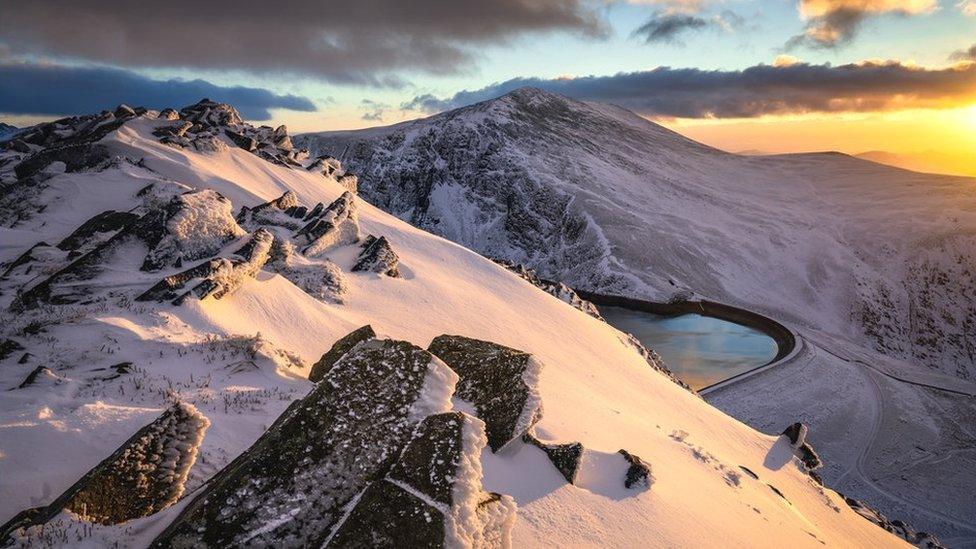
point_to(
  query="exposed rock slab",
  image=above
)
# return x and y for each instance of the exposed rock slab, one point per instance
(292, 486)
(338, 350)
(105, 222)
(638, 473)
(499, 381)
(432, 495)
(336, 225)
(566, 458)
(143, 476)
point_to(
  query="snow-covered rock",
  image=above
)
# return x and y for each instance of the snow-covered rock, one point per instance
(378, 257)
(499, 381)
(143, 476)
(291, 488)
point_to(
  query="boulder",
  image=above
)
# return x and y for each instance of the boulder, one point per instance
(124, 111)
(432, 495)
(143, 476)
(168, 114)
(378, 257)
(797, 435)
(896, 527)
(176, 129)
(566, 458)
(638, 473)
(338, 350)
(499, 381)
(9, 347)
(245, 142)
(336, 225)
(321, 279)
(294, 485)
(194, 225)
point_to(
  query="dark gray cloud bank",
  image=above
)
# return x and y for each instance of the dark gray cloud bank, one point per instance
(751, 92)
(360, 41)
(61, 90)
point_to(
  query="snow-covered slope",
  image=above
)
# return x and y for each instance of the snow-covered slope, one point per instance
(874, 267)
(94, 349)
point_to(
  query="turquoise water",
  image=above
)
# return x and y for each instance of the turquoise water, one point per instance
(700, 350)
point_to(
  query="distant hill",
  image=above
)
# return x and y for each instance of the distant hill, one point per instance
(926, 162)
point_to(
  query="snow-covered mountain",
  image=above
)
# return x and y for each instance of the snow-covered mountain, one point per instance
(186, 360)
(874, 267)
(7, 131)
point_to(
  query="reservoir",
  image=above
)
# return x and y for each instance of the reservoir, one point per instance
(700, 350)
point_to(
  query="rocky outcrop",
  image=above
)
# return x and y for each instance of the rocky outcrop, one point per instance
(40, 376)
(338, 350)
(215, 277)
(9, 347)
(294, 485)
(143, 476)
(378, 257)
(797, 435)
(919, 539)
(499, 381)
(639, 475)
(336, 225)
(566, 458)
(194, 225)
(432, 496)
(556, 289)
(284, 211)
(106, 222)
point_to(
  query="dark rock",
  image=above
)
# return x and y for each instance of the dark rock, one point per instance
(105, 222)
(378, 257)
(797, 435)
(243, 141)
(169, 114)
(25, 358)
(209, 114)
(336, 225)
(18, 145)
(143, 476)
(320, 454)
(24, 258)
(9, 347)
(338, 350)
(565, 457)
(556, 289)
(896, 527)
(176, 129)
(75, 158)
(36, 375)
(316, 211)
(124, 111)
(418, 503)
(499, 381)
(639, 472)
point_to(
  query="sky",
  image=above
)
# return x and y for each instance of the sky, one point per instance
(743, 75)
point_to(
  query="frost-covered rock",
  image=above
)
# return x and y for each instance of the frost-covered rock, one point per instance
(216, 277)
(293, 486)
(143, 476)
(284, 211)
(566, 458)
(638, 474)
(197, 224)
(320, 278)
(378, 256)
(501, 383)
(210, 114)
(338, 350)
(432, 496)
(336, 225)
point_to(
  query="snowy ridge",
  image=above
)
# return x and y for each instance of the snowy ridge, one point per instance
(242, 358)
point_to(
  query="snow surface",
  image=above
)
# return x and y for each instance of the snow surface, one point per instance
(594, 387)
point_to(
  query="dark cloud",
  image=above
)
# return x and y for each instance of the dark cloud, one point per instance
(61, 90)
(374, 111)
(964, 55)
(833, 23)
(751, 92)
(362, 41)
(664, 26)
